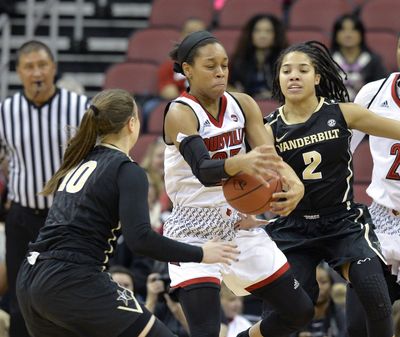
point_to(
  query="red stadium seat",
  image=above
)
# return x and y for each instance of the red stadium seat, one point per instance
(385, 45)
(316, 14)
(229, 38)
(381, 15)
(267, 106)
(139, 150)
(135, 77)
(362, 163)
(236, 13)
(156, 119)
(174, 13)
(152, 44)
(297, 36)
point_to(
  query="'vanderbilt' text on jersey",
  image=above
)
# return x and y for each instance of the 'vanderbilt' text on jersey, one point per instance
(318, 151)
(223, 137)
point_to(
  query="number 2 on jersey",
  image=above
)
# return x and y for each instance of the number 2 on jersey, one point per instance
(394, 173)
(312, 159)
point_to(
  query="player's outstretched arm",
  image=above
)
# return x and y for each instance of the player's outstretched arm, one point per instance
(214, 251)
(360, 118)
(142, 239)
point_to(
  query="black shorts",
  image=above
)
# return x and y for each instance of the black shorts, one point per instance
(337, 238)
(61, 298)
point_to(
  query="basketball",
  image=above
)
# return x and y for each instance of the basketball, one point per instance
(248, 194)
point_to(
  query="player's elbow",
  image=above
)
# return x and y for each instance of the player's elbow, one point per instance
(205, 179)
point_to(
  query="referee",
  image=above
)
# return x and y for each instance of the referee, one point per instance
(35, 125)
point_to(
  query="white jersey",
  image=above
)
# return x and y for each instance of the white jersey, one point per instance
(385, 183)
(223, 137)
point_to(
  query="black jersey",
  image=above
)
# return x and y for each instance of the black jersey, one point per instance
(106, 192)
(318, 151)
(84, 216)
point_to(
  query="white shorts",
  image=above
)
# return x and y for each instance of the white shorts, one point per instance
(260, 263)
(388, 232)
(390, 246)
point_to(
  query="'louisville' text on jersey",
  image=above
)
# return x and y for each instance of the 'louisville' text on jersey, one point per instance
(225, 140)
(303, 141)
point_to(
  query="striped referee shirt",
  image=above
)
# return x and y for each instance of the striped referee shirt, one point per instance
(33, 140)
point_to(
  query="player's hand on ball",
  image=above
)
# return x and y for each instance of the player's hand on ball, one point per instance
(215, 251)
(249, 221)
(262, 161)
(285, 201)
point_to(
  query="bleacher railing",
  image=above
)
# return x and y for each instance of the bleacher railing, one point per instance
(34, 15)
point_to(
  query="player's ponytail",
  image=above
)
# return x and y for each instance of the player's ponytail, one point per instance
(109, 112)
(331, 84)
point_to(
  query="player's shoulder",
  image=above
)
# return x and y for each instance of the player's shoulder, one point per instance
(372, 86)
(9, 98)
(132, 171)
(63, 92)
(6, 106)
(368, 91)
(240, 97)
(273, 117)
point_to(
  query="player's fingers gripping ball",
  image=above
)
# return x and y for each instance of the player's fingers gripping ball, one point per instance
(250, 194)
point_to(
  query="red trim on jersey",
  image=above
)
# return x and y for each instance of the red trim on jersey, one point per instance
(269, 279)
(221, 113)
(197, 281)
(394, 91)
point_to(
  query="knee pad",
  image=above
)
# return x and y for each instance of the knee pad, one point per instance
(374, 296)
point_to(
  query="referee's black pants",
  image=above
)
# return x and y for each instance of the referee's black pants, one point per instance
(22, 226)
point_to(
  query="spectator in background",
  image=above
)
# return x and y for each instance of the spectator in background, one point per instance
(170, 83)
(232, 307)
(123, 276)
(163, 305)
(153, 163)
(33, 135)
(328, 319)
(350, 50)
(139, 265)
(251, 68)
(154, 205)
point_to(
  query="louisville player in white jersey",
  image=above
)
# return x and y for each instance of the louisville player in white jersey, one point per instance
(383, 98)
(205, 130)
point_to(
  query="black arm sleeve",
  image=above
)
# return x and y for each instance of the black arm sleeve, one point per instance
(135, 221)
(209, 172)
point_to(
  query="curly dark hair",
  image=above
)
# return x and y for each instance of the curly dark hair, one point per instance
(331, 84)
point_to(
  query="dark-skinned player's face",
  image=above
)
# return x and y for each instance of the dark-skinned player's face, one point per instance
(297, 76)
(209, 73)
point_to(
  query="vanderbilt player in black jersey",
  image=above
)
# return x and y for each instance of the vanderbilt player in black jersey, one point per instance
(62, 287)
(311, 131)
